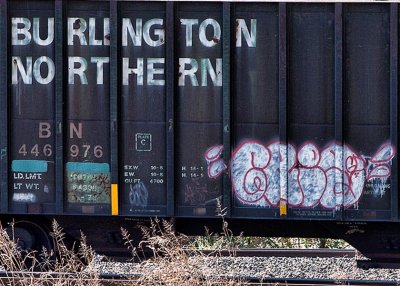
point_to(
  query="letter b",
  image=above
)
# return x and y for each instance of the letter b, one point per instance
(44, 130)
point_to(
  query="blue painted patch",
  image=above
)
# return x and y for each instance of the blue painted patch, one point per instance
(33, 166)
(88, 167)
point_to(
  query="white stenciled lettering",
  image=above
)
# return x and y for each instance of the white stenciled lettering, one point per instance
(189, 67)
(107, 33)
(216, 29)
(79, 66)
(189, 23)
(76, 27)
(44, 130)
(92, 33)
(35, 70)
(207, 69)
(50, 32)
(142, 32)
(51, 70)
(21, 35)
(152, 71)
(17, 66)
(126, 71)
(153, 66)
(216, 35)
(17, 31)
(158, 33)
(100, 61)
(250, 37)
(191, 72)
(135, 35)
(75, 130)
(80, 70)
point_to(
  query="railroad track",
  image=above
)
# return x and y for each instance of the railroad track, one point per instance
(261, 252)
(283, 252)
(48, 278)
(122, 279)
(326, 282)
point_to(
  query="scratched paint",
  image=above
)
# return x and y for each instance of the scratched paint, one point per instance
(263, 175)
(88, 182)
(138, 195)
(88, 188)
(198, 193)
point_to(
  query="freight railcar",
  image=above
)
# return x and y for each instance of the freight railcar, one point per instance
(113, 112)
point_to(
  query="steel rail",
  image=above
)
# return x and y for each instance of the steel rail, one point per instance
(122, 280)
(312, 281)
(252, 252)
(282, 252)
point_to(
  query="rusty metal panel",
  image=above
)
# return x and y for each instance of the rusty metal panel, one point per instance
(198, 106)
(87, 166)
(143, 166)
(32, 106)
(367, 111)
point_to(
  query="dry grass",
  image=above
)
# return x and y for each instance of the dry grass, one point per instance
(68, 267)
(175, 261)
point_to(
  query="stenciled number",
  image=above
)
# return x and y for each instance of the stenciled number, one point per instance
(156, 181)
(36, 150)
(75, 151)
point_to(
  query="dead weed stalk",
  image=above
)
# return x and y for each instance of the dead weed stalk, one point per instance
(67, 267)
(176, 260)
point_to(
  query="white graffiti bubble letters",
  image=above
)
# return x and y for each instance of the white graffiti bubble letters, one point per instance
(333, 194)
(263, 175)
(248, 173)
(312, 183)
(292, 158)
(216, 165)
(216, 168)
(273, 174)
(213, 153)
(354, 171)
(379, 168)
(296, 196)
(308, 156)
(383, 155)
(311, 178)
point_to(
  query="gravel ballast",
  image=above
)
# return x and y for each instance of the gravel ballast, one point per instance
(342, 268)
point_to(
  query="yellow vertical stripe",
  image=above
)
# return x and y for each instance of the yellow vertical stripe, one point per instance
(114, 199)
(283, 208)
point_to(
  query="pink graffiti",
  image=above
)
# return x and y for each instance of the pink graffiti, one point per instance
(263, 175)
